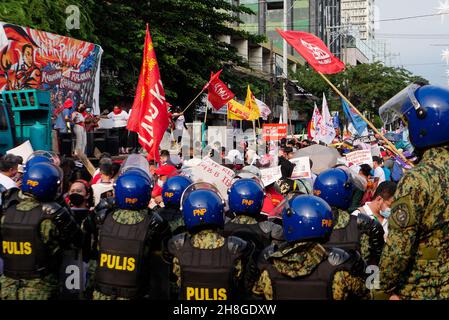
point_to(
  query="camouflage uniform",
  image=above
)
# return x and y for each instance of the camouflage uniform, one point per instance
(415, 259)
(33, 289)
(123, 217)
(301, 259)
(206, 239)
(242, 219)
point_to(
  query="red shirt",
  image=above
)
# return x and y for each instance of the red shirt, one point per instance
(272, 200)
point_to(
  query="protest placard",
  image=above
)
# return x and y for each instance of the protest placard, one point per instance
(274, 131)
(302, 168)
(210, 171)
(24, 150)
(270, 175)
(359, 157)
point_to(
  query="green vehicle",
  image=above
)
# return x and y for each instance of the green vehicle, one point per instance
(25, 115)
(7, 129)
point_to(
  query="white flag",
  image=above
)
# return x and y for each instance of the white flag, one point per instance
(264, 110)
(327, 131)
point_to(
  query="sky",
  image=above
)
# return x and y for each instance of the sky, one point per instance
(418, 52)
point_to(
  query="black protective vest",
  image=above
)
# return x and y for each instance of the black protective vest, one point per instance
(24, 254)
(249, 232)
(122, 269)
(206, 274)
(174, 219)
(315, 286)
(347, 238)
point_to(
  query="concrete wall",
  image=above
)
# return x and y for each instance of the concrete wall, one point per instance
(255, 55)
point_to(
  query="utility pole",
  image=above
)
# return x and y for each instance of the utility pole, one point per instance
(285, 67)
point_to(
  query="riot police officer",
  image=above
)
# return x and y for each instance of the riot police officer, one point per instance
(127, 236)
(211, 265)
(415, 257)
(301, 268)
(34, 230)
(246, 197)
(350, 232)
(171, 196)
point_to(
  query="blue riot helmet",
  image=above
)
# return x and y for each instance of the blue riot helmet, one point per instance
(40, 156)
(425, 110)
(307, 217)
(246, 197)
(202, 207)
(133, 190)
(173, 189)
(43, 181)
(335, 187)
(136, 163)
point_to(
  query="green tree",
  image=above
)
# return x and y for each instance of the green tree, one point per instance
(48, 15)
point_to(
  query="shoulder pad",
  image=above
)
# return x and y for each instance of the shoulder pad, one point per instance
(9, 198)
(364, 222)
(236, 244)
(176, 242)
(51, 208)
(266, 226)
(156, 221)
(338, 256)
(105, 204)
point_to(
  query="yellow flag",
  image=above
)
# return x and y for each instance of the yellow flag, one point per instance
(250, 104)
(237, 111)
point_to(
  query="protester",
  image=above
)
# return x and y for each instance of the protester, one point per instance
(180, 125)
(379, 174)
(120, 119)
(80, 131)
(380, 207)
(8, 172)
(103, 187)
(161, 175)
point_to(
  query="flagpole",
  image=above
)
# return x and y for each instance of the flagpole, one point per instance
(194, 99)
(364, 119)
(255, 136)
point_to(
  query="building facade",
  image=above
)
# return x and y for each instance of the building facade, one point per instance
(360, 14)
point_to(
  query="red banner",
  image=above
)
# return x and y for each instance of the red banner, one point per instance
(314, 50)
(149, 116)
(219, 93)
(274, 131)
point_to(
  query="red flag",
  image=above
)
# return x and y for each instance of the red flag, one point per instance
(314, 51)
(149, 116)
(219, 93)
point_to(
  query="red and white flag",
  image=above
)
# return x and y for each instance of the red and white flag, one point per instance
(314, 124)
(149, 116)
(311, 48)
(219, 94)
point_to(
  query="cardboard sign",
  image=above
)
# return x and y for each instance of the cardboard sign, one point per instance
(24, 150)
(274, 131)
(270, 175)
(360, 157)
(302, 168)
(210, 171)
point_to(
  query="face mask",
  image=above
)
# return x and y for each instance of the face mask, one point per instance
(76, 199)
(385, 213)
(160, 183)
